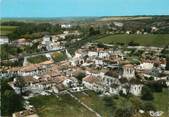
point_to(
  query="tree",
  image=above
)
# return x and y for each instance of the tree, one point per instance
(110, 105)
(108, 102)
(93, 31)
(137, 103)
(148, 106)
(80, 76)
(167, 64)
(10, 101)
(147, 93)
(20, 83)
(124, 112)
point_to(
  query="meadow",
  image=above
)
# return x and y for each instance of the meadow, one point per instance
(144, 40)
(5, 30)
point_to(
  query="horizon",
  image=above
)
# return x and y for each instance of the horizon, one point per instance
(84, 16)
(81, 8)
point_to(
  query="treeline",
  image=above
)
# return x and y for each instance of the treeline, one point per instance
(10, 101)
(12, 23)
(72, 47)
(32, 30)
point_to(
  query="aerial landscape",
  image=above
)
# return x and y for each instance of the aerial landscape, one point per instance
(84, 58)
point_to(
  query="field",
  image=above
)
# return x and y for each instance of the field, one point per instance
(37, 59)
(161, 101)
(6, 29)
(63, 106)
(145, 40)
(98, 104)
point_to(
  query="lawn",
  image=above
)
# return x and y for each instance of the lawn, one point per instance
(7, 29)
(37, 59)
(145, 40)
(63, 106)
(161, 101)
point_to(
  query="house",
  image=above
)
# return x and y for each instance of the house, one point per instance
(103, 54)
(66, 25)
(93, 83)
(26, 113)
(135, 87)
(167, 81)
(154, 29)
(38, 84)
(46, 39)
(30, 70)
(146, 65)
(22, 42)
(128, 32)
(98, 62)
(47, 42)
(118, 24)
(92, 54)
(4, 40)
(114, 89)
(138, 32)
(128, 71)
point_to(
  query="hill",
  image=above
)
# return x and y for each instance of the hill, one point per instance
(145, 40)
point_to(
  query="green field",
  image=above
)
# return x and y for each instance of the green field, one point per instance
(145, 40)
(7, 29)
(63, 106)
(97, 103)
(37, 59)
(161, 101)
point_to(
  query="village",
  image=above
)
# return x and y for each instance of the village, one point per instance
(106, 69)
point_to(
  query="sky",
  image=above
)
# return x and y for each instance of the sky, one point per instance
(68, 8)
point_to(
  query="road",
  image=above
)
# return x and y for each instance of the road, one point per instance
(34, 54)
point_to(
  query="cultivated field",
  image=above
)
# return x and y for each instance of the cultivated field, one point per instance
(161, 101)
(145, 40)
(4, 30)
(66, 106)
(62, 106)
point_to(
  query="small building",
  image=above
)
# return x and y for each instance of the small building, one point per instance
(136, 89)
(66, 25)
(22, 42)
(128, 71)
(4, 40)
(93, 83)
(26, 113)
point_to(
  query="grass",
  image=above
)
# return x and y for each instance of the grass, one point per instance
(37, 59)
(58, 56)
(63, 106)
(7, 29)
(145, 40)
(95, 102)
(161, 101)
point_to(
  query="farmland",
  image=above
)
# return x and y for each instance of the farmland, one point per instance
(7, 29)
(145, 40)
(62, 106)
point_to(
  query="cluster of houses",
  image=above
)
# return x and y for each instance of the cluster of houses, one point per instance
(55, 42)
(41, 78)
(107, 70)
(115, 74)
